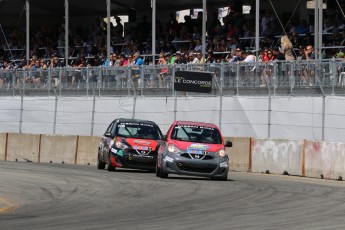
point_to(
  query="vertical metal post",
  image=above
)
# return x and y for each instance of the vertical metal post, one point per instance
(257, 28)
(316, 28)
(55, 112)
(221, 94)
(175, 106)
(93, 114)
(323, 116)
(27, 5)
(66, 31)
(134, 105)
(21, 111)
(320, 2)
(108, 28)
(153, 5)
(269, 114)
(204, 16)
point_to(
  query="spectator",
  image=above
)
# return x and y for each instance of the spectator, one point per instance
(192, 59)
(180, 58)
(137, 62)
(287, 48)
(266, 20)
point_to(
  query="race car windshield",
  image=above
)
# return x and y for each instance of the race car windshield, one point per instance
(192, 133)
(138, 130)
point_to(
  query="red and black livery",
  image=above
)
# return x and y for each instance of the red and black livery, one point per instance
(129, 143)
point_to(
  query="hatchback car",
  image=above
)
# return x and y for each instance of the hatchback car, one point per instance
(193, 148)
(129, 143)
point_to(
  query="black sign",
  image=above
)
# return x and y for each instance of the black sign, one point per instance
(192, 81)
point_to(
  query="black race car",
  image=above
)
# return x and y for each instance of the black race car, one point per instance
(129, 143)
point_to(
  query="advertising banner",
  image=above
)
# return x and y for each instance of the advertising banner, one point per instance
(193, 81)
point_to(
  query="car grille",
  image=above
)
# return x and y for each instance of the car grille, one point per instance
(196, 156)
(142, 152)
(198, 169)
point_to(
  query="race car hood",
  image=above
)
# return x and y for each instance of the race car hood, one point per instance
(184, 145)
(142, 144)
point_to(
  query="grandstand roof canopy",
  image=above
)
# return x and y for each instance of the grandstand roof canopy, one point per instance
(96, 7)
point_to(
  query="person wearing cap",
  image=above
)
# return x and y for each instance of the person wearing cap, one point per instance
(179, 58)
(192, 59)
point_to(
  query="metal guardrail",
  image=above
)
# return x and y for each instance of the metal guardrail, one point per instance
(327, 76)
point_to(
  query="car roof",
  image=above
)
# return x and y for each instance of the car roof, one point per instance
(127, 120)
(196, 123)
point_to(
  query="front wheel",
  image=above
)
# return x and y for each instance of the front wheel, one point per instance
(161, 172)
(100, 164)
(110, 165)
(223, 178)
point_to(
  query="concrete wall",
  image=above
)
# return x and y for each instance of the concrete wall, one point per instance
(87, 150)
(239, 153)
(324, 160)
(3, 146)
(277, 156)
(58, 149)
(23, 147)
(296, 157)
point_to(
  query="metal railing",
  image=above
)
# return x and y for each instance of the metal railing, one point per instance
(324, 76)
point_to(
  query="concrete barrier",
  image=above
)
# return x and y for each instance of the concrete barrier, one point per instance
(23, 147)
(324, 160)
(3, 146)
(87, 150)
(277, 156)
(239, 153)
(58, 149)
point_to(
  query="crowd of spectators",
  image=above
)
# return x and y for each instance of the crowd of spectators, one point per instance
(229, 41)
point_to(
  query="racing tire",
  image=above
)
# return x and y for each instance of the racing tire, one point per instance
(100, 164)
(162, 174)
(110, 167)
(157, 170)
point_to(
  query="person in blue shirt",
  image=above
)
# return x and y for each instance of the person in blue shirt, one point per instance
(138, 61)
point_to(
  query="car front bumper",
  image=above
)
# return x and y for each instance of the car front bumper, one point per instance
(184, 164)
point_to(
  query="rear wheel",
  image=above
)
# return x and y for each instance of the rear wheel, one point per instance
(157, 170)
(100, 164)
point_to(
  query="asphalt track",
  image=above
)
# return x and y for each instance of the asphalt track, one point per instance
(57, 196)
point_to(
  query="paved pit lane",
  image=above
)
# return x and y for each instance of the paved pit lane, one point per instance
(51, 196)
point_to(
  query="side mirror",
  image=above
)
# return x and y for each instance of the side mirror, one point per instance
(228, 144)
(108, 134)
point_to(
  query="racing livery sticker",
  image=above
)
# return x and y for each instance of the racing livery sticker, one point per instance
(197, 149)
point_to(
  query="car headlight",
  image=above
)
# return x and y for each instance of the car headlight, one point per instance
(221, 153)
(173, 149)
(121, 145)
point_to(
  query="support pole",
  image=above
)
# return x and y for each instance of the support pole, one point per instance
(316, 29)
(320, 2)
(204, 16)
(27, 6)
(153, 5)
(66, 31)
(108, 28)
(257, 28)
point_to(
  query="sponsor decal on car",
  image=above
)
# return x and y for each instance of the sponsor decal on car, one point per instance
(197, 149)
(168, 159)
(223, 165)
(113, 150)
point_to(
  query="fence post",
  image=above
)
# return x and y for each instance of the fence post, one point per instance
(269, 114)
(323, 116)
(221, 94)
(21, 111)
(55, 111)
(93, 113)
